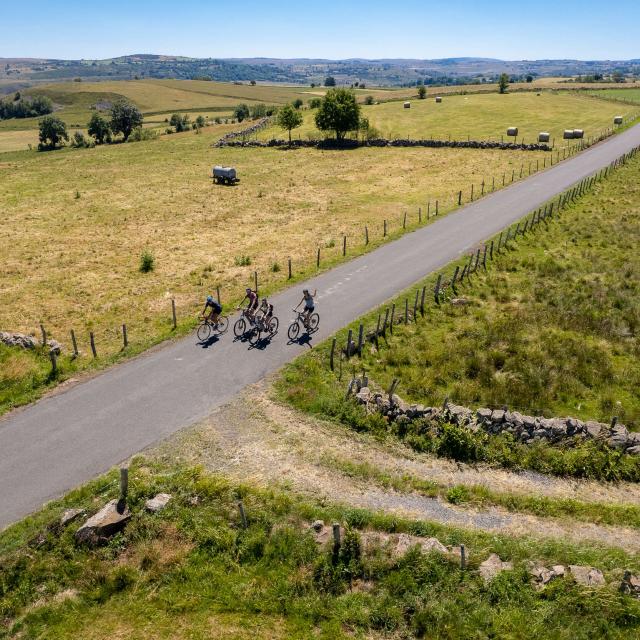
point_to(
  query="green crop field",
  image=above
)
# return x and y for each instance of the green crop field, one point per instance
(482, 117)
(628, 95)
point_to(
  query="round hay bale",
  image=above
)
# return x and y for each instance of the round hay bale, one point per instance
(438, 99)
(618, 120)
(568, 134)
(578, 133)
(544, 136)
(407, 105)
(512, 131)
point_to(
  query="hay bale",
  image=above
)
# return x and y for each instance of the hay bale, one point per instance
(578, 133)
(407, 105)
(438, 99)
(568, 134)
(618, 120)
(544, 136)
(512, 131)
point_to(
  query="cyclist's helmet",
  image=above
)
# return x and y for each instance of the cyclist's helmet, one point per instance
(248, 290)
(209, 298)
(305, 291)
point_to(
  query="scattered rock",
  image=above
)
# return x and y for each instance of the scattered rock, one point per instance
(107, 522)
(630, 584)
(618, 437)
(69, 516)
(157, 503)
(460, 302)
(587, 576)
(543, 576)
(317, 526)
(18, 340)
(492, 566)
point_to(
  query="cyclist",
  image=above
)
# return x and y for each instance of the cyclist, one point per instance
(252, 305)
(266, 312)
(216, 310)
(309, 304)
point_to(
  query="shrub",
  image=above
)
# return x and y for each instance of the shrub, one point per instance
(140, 134)
(147, 261)
(242, 261)
(275, 267)
(297, 103)
(368, 100)
(99, 128)
(241, 112)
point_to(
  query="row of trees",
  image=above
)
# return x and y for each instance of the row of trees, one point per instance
(125, 117)
(20, 107)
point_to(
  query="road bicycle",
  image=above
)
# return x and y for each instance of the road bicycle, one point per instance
(258, 325)
(302, 322)
(206, 327)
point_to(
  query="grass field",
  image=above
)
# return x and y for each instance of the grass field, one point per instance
(77, 222)
(193, 571)
(550, 329)
(482, 117)
(630, 95)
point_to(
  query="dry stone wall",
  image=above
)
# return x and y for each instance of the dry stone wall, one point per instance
(527, 429)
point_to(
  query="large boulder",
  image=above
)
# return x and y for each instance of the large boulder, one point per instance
(618, 437)
(111, 519)
(587, 576)
(630, 584)
(492, 566)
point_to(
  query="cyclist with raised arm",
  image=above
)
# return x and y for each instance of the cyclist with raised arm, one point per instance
(252, 303)
(309, 304)
(216, 310)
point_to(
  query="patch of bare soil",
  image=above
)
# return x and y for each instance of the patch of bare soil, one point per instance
(256, 439)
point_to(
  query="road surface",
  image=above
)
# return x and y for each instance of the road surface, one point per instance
(68, 438)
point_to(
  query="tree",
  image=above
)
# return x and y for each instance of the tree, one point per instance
(125, 117)
(503, 83)
(241, 112)
(616, 76)
(368, 100)
(99, 129)
(289, 118)
(52, 130)
(315, 103)
(179, 122)
(339, 112)
(200, 122)
(329, 81)
(422, 92)
(253, 83)
(529, 78)
(297, 103)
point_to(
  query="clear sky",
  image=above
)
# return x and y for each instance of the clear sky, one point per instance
(583, 29)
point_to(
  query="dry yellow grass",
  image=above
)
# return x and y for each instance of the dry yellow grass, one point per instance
(72, 262)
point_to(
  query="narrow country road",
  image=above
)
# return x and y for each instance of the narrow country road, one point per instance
(70, 437)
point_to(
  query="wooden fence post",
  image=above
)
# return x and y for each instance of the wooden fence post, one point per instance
(333, 350)
(93, 344)
(360, 339)
(482, 188)
(349, 341)
(459, 198)
(436, 290)
(173, 313)
(419, 215)
(484, 258)
(378, 328)
(406, 311)
(453, 280)
(499, 242)
(243, 515)
(124, 484)
(393, 314)
(422, 295)
(384, 234)
(471, 193)
(366, 236)
(415, 307)
(125, 338)
(54, 362)
(290, 274)
(404, 220)
(318, 259)
(44, 335)
(218, 294)
(491, 251)
(386, 322)
(344, 245)
(428, 209)
(436, 207)
(255, 281)
(74, 343)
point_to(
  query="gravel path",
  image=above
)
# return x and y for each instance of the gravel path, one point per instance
(258, 440)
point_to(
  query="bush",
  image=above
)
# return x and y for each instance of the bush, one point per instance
(99, 128)
(140, 135)
(51, 132)
(147, 261)
(315, 103)
(368, 100)
(241, 112)
(242, 261)
(78, 141)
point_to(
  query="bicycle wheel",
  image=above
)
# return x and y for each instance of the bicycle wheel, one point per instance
(223, 324)
(204, 331)
(313, 322)
(274, 323)
(294, 330)
(240, 327)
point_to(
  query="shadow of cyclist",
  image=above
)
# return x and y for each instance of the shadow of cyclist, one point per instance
(209, 342)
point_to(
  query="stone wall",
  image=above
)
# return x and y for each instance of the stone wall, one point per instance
(527, 429)
(230, 140)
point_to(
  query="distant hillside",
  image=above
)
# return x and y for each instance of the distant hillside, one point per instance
(384, 72)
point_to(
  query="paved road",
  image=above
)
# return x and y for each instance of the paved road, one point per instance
(68, 438)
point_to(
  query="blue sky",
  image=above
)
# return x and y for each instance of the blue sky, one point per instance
(330, 29)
